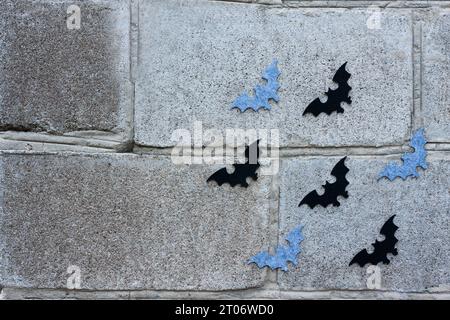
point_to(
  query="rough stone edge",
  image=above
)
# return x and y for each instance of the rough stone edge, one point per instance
(346, 3)
(440, 152)
(322, 151)
(34, 294)
(419, 19)
(134, 54)
(416, 118)
(3, 257)
(125, 113)
(14, 145)
(16, 140)
(52, 144)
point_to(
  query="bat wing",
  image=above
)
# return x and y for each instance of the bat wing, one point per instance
(338, 188)
(312, 199)
(381, 248)
(220, 176)
(388, 244)
(239, 176)
(341, 76)
(283, 254)
(262, 259)
(410, 160)
(332, 190)
(316, 107)
(340, 170)
(341, 94)
(361, 258)
(389, 228)
(242, 171)
(334, 97)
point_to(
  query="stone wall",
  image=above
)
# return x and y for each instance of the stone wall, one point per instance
(87, 178)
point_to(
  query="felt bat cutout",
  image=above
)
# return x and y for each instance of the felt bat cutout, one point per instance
(410, 160)
(242, 171)
(381, 248)
(283, 254)
(334, 97)
(262, 93)
(332, 190)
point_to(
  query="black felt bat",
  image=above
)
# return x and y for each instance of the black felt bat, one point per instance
(334, 97)
(241, 172)
(381, 248)
(332, 190)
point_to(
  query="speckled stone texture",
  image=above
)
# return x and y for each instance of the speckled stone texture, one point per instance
(128, 222)
(335, 234)
(58, 80)
(436, 74)
(87, 117)
(196, 57)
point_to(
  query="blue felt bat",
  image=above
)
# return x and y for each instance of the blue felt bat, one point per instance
(283, 254)
(262, 93)
(410, 160)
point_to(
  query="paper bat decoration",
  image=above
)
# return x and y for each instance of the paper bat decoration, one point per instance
(283, 254)
(410, 160)
(262, 93)
(334, 97)
(381, 248)
(332, 190)
(241, 172)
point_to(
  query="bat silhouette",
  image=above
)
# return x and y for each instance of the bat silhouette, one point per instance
(410, 160)
(262, 93)
(381, 248)
(283, 254)
(332, 190)
(242, 171)
(334, 97)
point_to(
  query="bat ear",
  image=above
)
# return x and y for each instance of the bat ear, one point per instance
(354, 260)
